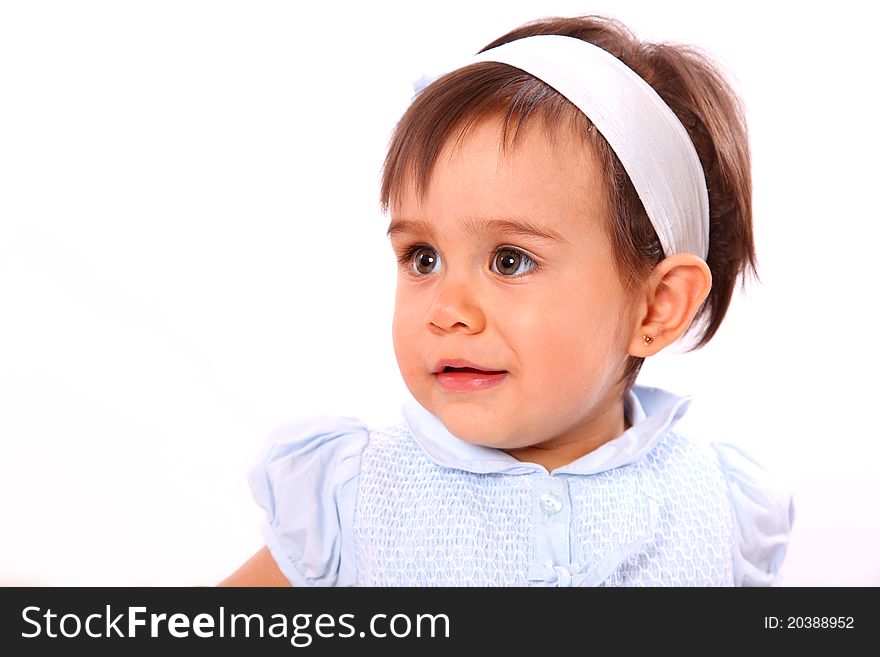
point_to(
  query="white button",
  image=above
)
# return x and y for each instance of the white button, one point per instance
(551, 503)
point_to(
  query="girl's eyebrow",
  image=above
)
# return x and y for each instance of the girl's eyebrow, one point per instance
(399, 226)
(478, 226)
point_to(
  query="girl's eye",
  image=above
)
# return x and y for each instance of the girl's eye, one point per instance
(512, 262)
(425, 260)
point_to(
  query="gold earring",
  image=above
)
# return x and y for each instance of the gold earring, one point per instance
(648, 340)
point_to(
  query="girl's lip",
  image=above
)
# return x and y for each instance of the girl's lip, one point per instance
(460, 363)
(469, 380)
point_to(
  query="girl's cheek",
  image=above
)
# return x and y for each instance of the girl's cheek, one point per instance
(404, 335)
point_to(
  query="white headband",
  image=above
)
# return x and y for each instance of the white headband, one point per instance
(651, 143)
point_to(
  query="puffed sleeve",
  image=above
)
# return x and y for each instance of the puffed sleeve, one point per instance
(306, 480)
(764, 513)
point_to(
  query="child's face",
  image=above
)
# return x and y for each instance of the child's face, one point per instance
(550, 313)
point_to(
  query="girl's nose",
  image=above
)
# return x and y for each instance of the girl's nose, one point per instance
(455, 308)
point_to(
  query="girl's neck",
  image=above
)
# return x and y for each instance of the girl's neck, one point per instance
(587, 438)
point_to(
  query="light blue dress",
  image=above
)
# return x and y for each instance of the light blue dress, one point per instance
(412, 505)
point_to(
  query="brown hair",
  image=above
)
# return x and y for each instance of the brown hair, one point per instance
(688, 82)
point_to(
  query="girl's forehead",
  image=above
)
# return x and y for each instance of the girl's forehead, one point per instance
(537, 186)
(534, 142)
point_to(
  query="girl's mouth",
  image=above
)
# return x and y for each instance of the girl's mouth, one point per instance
(473, 370)
(468, 379)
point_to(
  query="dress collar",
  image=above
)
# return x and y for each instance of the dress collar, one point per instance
(651, 411)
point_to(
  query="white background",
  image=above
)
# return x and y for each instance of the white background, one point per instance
(191, 252)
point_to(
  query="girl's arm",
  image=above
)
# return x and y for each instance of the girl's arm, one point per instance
(259, 570)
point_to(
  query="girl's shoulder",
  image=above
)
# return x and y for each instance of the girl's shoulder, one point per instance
(321, 436)
(305, 479)
(764, 512)
(330, 445)
(761, 506)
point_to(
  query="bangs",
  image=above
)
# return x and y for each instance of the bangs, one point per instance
(445, 111)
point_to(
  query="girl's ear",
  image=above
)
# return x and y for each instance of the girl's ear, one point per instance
(677, 288)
